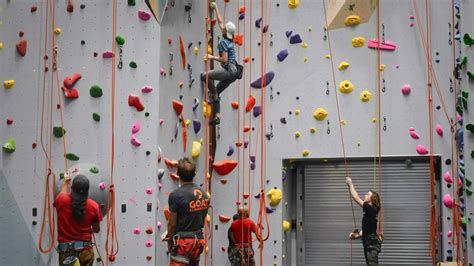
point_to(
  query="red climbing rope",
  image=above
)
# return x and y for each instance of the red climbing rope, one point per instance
(207, 150)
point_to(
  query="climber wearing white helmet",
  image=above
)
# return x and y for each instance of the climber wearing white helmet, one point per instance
(227, 57)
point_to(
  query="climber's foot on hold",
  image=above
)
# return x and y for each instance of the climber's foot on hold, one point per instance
(216, 120)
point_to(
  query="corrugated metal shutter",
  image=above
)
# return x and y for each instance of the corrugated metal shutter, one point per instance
(327, 215)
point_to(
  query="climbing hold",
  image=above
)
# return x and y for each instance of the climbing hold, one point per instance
(158, 225)
(133, 64)
(102, 185)
(21, 47)
(136, 231)
(297, 112)
(343, 65)
(9, 121)
(283, 120)
(257, 110)
(365, 96)
(304, 45)
(439, 130)
(293, 3)
(352, 20)
(448, 201)
(181, 50)
(288, 33)
(235, 105)
(312, 130)
(57, 31)
(134, 101)
(171, 163)
(346, 86)
(149, 191)
(421, 150)
(58, 131)
(224, 219)
(33, 8)
(174, 176)
(447, 177)
(305, 153)
(94, 169)
(413, 133)
(269, 210)
(196, 149)
(358, 41)
(449, 233)
(470, 127)
(144, 15)
(195, 104)
(96, 91)
(320, 114)
(10, 145)
(82, 6)
(196, 125)
(108, 54)
(388, 45)
(295, 39)
(120, 40)
(136, 127)
(263, 81)
(178, 107)
(382, 67)
(406, 89)
(70, 81)
(246, 59)
(196, 50)
(230, 151)
(286, 226)
(149, 230)
(282, 55)
(135, 142)
(72, 156)
(8, 84)
(297, 134)
(1, 45)
(250, 103)
(96, 117)
(223, 181)
(147, 89)
(468, 40)
(328, 56)
(224, 167)
(149, 244)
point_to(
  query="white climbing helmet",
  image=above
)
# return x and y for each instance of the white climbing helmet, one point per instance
(230, 29)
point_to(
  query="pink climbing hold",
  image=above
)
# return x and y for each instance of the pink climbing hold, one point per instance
(102, 185)
(149, 191)
(413, 133)
(160, 186)
(149, 244)
(162, 121)
(406, 89)
(134, 101)
(135, 142)
(137, 231)
(447, 177)
(144, 15)
(162, 71)
(224, 167)
(421, 150)
(439, 130)
(388, 45)
(147, 89)
(136, 127)
(108, 54)
(450, 233)
(158, 224)
(448, 201)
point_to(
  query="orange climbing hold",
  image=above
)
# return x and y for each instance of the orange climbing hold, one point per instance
(21, 47)
(246, 129)
(239, 144)
(224, 219)
(242, 9)
(224, 167)
(171, 163)
(235, 105)
(178, 107)
(166, 212)
(239, 39)
(250, 103)
(174, 176)
(246, 59)
(181, 50)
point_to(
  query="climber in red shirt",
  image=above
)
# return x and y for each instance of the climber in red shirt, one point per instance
(241, 252)
(78, 217)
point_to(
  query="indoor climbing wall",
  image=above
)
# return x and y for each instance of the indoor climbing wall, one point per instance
(159, 111)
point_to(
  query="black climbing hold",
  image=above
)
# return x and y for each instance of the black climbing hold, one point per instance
(148, 153)
(147, 114)
(438, 107)
(83, 42)
(131, 2)
(133, 64)
(82, 6)
(289, 112)
(34, 223)
(278, 93)
(297, 97)
(448, 161)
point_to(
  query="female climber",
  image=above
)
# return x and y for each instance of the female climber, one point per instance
(371, 241)
(227, 58)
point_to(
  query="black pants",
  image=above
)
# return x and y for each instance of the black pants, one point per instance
(225, 76)
(371, 257)
(372, 247)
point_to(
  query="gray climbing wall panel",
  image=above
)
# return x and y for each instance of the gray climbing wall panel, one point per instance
(299, 84)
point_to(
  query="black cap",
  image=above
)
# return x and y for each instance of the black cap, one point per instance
(80, 188)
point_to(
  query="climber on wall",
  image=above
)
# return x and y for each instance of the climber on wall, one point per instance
(227, 57)
(78, 217)
(188, 209)
(371, 241)
(241, 253)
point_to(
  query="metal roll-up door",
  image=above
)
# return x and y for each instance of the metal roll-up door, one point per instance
(327, 216)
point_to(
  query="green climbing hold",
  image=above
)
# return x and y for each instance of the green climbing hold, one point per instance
(470, 127)
(10, 145)
(463, 222)
(147, 114)
(468, 40)
(468, 182)
(472, 154)
(468, 192)
(459, 109)
(120, 40)
(133, 64)
(148, 153)
(61, 176)
(131, 2)
(72, 156)
(463, 62)
(472, 237)
(83, 6)
(96, 91)
(58, 131)
(94, 169)
(462, 169)
(96, 117)
(83, 42)
(470, 75)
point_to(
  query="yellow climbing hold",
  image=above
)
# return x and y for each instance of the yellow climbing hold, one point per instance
(297, 112)
(196, 149)
(304, 45)
(320, 114)
(382, 67)
(358, 41)
(365, 96)
(310, 29)
(1, 45)
(352, 20)
(305, 153)
(188, 122)
(312, 130)
(286, 226)
(196, 50)
(209, 49)
(346, 86)
(343, 65)
(328, 56)
(343, 122)
(8, 84)
(305, 59)
(275, 195)
(207, 110)
(207, 249)
(374, 120)
(293, 3)
(297, 134)
(57, 31)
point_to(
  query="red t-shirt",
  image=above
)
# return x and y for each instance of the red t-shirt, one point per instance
(247, 224)
(69, 228)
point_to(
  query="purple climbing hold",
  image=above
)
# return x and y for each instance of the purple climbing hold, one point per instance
(257, 196)
(283, 120)
(295, 39)
(252, 166)
(256, 110)
(196, 125)
(267, 79)
(288, 33)
(252, 158)
(176, 130)
(246, 144)
(241, 16)
(144, 15)
(258, 22)
(282, 55)
(188, 7)
(265, 29)
(161, 172)
(195, 104)
(231, 151)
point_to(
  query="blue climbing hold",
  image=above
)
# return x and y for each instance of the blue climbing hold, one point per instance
(283, 120)
(282, 55)
(230, 151)
(258, 22)
(295, 39)
(252, 158)
(267, 79)
(288, 33)
(196, 125)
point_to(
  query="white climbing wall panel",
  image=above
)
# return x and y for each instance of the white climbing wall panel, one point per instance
(299, 86)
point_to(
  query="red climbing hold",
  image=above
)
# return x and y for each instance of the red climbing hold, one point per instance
(149, 257)
(9, 121)
(224, 181)
(224, 219)
(224, 167)
(250, 103)
(235, 105)
(134, 101)
(170, 40)
(178, 107)
(149, 230)
(246, 129)
(21, 33)
(171, 163)
(174, 176)
(69, 81)
(21, 47)
(239, 144)
(70, 93)
(181, 50)
(70, 6)
(246, 59)
(246, 195)
(33, 8)
(33, 145)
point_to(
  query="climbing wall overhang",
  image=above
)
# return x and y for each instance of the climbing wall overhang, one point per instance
(339, 10)
(158, 8)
